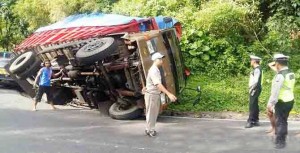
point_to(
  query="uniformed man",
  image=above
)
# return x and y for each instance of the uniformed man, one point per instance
(282, 98)
(153, 91)
(254, 91)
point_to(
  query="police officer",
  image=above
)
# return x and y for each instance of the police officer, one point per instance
(153, 91)
(254, 91)
(282, 98)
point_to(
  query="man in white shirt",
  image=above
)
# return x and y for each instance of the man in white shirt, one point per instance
(254, 92)
(153, 91)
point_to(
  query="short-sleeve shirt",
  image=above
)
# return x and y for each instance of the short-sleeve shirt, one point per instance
(45, 77)
(153, 79)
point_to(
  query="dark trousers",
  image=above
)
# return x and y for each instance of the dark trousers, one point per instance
(282, 111)
(41, 91)
(253, 106)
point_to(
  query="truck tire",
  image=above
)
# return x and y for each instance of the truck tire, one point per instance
(96, 50)
(131, 113)
(22, 62)
(31, 71)
(104, 106)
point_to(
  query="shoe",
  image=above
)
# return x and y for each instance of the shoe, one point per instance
(152, 133)
(280, 142)
(249, 125)
(256, 123)
(280, 145)
(147, 132)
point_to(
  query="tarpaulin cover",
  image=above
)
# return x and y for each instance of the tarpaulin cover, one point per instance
(91, 20)
(83, 26)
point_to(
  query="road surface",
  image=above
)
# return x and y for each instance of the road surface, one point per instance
(72, 130)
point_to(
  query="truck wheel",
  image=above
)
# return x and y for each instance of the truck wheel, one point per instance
(22, 62)
(96, 50)
(31, 71)
(116, 112)
(104, 106)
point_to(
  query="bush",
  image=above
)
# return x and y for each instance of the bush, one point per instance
(218, 46)
(228, 94)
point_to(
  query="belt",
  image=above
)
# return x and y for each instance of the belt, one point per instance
(153, 93)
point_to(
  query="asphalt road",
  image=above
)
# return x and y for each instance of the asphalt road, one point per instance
(71, 130)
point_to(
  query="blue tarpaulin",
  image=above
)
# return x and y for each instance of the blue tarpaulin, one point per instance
(100, 19)
(162, 25)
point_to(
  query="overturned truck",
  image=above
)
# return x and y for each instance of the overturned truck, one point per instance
(105, 59)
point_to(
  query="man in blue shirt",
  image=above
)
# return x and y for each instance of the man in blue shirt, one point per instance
(44, 79)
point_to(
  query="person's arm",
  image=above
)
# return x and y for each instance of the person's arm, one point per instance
(164, 90)
(37, 77)
(276, 86)
(156, 79)
(57, 74)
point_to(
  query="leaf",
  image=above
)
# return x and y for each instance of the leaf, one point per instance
(206, 48)
(205, 57)
(195, 52)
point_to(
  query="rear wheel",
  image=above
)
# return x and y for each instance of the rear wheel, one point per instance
(117, 111)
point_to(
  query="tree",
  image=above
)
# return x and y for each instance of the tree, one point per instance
(12, 28)
(34, 12)
(43, 12)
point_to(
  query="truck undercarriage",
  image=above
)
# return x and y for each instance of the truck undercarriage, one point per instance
(106, 72)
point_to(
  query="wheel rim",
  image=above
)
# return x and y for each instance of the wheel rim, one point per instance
(21, 60)
(94, 46)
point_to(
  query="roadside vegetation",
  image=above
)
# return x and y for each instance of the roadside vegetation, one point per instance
(218, 36)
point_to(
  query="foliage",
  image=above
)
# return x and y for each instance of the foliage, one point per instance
(286, 16)
(62, 8)
(229, 94)
(42, 12)
(218, 38)
(35, 12)
(12, 28)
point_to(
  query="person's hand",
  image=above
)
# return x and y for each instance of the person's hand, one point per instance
(250, 89)
(144, 90)
(253, 92)
(172, 97)
(272, 66)
(34, 86)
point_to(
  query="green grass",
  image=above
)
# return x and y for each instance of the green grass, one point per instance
(228, 94)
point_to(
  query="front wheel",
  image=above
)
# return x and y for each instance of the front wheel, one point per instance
(116, 111)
